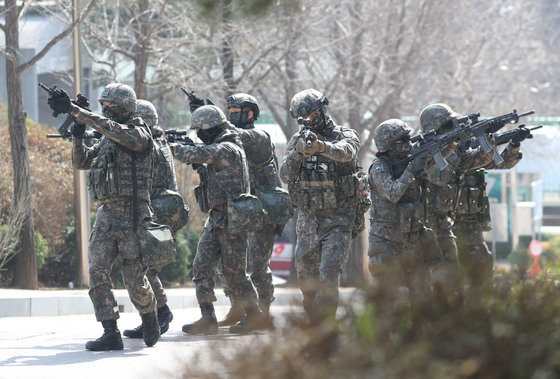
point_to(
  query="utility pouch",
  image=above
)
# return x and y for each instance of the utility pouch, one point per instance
(169, 209)
(409, 216)
(276, 202)
(97, 183)
(245, 214)
(201, 196)
(157, 245)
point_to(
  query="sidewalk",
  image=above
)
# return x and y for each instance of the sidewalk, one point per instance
(16, 303)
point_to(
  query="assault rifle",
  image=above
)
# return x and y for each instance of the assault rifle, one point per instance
(81, 101)
(506, 137)
(197, 100)
(305, 130)
(480, 129)
(94, 134)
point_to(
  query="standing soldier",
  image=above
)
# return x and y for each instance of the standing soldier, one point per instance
(441, 187)
(263, 173)
(228, 181)
(164, 200)
(399, 243)
(120, 178)
(319, 168)
(473, 215)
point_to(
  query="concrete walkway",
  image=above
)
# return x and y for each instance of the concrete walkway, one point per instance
(16, 303)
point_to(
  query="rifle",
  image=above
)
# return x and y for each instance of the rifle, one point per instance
(94, 134)
(305, 130)
(195, 99)
(81, 101)
(506, 137)
(480, 129)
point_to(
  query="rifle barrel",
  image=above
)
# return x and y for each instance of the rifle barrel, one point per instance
(526, 113)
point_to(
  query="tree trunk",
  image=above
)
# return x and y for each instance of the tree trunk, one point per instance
(25, 261)
(142, 50)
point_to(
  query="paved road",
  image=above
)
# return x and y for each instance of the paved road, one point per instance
(53, 347)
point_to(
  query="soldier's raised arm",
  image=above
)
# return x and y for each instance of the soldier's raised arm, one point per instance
(291, 162)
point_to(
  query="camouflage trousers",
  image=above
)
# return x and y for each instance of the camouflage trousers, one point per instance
(474, 256)
(259, 250)
(323, 243)
(113, 235)
(441, 224)
(159, 293)
(215, 245)
(406, 263)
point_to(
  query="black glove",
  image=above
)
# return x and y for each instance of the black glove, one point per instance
(523, 133)
(418, 164)
(78, 130)
(209, 102)
(195, 102)
(60, 104)
(82, 101)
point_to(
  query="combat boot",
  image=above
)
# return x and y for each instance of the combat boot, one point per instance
(164, 316)
(133, 333)
(150, 328)
(110, 340)
(235, 314)
(207, 324)
(252, 321)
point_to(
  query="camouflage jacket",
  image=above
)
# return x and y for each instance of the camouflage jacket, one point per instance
(324, 180)
(396, 211)
(441, 187)
(164, 169)
(473, 202)
(228, 173)
(110, 162)
(259, 150)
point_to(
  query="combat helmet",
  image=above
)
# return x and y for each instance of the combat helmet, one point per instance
(207, 117)
(306, 102)
(242, 100)
(120, 94)
(388, 132)
(147, 111)
(434, 116)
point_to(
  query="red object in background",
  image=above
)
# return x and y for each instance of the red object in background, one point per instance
(535, 248)
(281, 260)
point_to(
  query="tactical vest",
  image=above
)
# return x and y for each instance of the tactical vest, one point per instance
(472, 197)
(406, 215)
(441, 198)
(322, 183)
(163, 176)
(110, 175)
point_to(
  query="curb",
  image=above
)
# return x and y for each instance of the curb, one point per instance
(27, 303)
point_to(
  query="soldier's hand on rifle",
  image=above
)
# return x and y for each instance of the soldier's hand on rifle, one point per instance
(300, 146)
(418, 164)
(523, 134)
(316, 145)
(78, 130)
(60, 104)
(195, 102)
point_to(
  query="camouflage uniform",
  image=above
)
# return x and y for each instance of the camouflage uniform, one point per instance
(473, 217)
(323, 192)
(110, 182)
(228, 175)
(398, 239)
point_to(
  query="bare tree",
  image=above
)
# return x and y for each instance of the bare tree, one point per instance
(26, 268)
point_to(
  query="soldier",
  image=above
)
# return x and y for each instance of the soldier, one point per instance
(320, 176)
(120, 175)
(473, 215)
(399, 243)
(164, 180)
(263, 173)
(228, 179)
(440, 187)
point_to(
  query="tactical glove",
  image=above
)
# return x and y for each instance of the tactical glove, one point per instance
(195, 102)
(60, 104)
(316, 146)
(78, 130)
(418, 164)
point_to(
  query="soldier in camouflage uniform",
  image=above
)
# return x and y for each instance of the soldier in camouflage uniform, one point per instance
(321, 184)
(440, 186)
(228, 177)
(472, 212)
(120, 178)
(399, 243)
(163, 179)
(263, 173)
